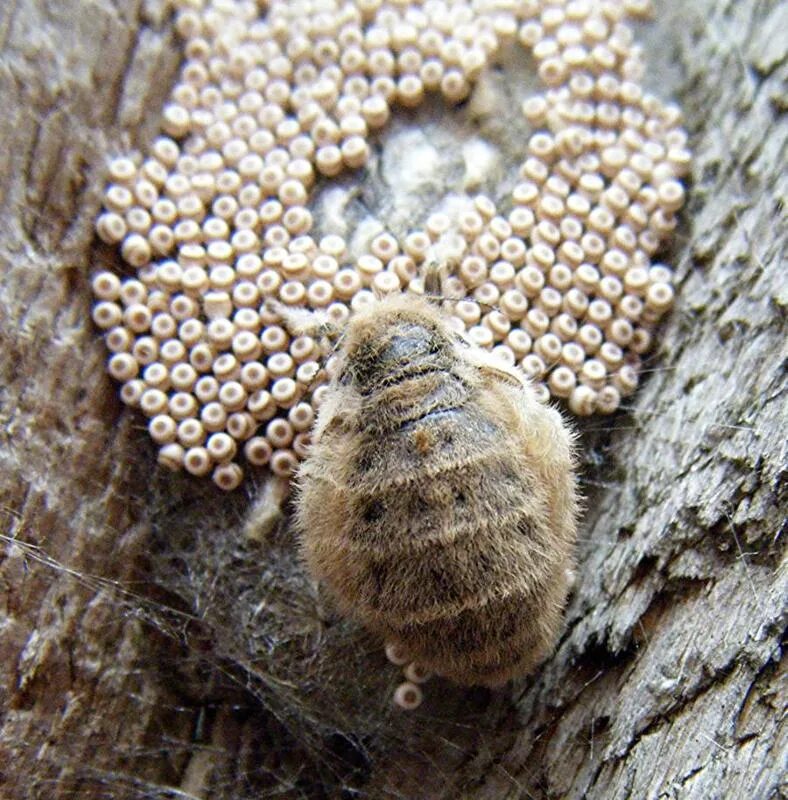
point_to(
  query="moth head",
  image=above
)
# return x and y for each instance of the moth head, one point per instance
(399, 335)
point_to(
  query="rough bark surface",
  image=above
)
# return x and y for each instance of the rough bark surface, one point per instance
(124, 671)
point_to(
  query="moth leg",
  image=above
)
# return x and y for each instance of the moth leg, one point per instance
(266, 511)
(303, 322)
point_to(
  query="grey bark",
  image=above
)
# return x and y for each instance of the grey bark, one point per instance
(149, 649)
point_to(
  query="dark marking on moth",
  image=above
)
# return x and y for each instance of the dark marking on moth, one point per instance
(373, 511)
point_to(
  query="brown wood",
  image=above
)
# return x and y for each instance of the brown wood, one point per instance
(150, 650)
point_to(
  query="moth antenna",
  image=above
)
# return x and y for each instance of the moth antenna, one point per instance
(434, 274)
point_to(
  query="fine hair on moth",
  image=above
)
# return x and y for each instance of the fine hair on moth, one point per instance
(438, 503)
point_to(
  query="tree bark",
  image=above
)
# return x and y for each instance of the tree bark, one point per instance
(149, 649)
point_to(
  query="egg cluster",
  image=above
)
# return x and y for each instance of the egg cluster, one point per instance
(216, 217)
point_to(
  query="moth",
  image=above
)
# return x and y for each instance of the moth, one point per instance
(438, 504)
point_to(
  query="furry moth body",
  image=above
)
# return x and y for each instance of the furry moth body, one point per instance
(438, 503)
